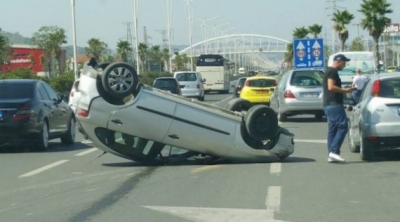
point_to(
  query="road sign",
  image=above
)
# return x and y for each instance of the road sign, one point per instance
(308, 53)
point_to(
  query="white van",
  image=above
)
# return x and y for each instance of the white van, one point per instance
(242, 71)
(191, 84)
(363, 60)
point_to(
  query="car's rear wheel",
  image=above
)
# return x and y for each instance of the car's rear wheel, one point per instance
(352, 146)
(42, 139)
(119, 80)
(319, 115)
(238, 105)
(69, 137)
(261, 122)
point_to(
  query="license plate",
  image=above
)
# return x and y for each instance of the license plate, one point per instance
(209, 84)
(261, 92)
(1, 114)
(309, 95)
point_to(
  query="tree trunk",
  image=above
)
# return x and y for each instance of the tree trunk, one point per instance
(376, 52)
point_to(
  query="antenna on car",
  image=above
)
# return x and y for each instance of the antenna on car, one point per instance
(96, 158)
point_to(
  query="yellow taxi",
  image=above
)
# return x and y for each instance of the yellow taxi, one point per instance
(258, 89)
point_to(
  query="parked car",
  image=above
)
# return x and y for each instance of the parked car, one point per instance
(239, 85)
(191, 84)
(141, 123)
(299, 92)
(258, 89)
(169, 84)
(374, 122)
(31, 113)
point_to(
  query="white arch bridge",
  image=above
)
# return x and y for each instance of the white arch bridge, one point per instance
(248, 49)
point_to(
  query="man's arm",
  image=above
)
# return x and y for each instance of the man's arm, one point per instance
(333, 88)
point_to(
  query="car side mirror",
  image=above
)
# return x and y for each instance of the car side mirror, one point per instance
(233, 86)
(204, 80)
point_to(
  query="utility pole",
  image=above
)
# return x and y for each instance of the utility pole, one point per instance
(135, 12)
(146, 37)
(129, 38)
(334, 8)
(164, 38)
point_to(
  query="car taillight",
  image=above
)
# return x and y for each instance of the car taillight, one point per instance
(288, 95)
(23, 113)
(376, 86)
(82, 112)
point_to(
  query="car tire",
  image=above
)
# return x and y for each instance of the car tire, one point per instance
(42, 139)
(69, 137)
(238, 105)
(352, 146)
(201, 98)
(367, 147)
(122, 72)
(318, 116)
(261, 122)
(255, 144)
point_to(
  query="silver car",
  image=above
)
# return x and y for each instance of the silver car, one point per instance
(374, 122)
(142, 123)
(299, 92)
(191, 84)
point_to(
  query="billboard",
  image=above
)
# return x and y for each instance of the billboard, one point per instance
(392, 28)
(24, 56)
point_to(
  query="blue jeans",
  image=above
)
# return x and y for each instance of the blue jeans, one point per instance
(337, 127)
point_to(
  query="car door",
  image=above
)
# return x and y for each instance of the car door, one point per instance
(356, 115)
(150, 117)
(60, 112)
(198, 129)
(274, 101)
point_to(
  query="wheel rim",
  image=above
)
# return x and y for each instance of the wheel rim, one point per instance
(45, 135)
(120, 80)
(72, 129)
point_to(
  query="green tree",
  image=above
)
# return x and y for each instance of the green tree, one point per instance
(143, 51)
(124, 50)
(155, 55)
(165, 57)
(50, 39)
(357, 44)
(315, 30)
(96, 48)
(5, 49)
(179, 61)
(375, 20)
(341, 19)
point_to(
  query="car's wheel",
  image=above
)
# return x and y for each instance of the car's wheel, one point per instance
(119, 80)
(352, 146)
(255, 144)
(367, 152)
(69, 137)
(238, 105)
(281, 116)
(201, 98)
(42, 139)
(318, 116)
(261, 122)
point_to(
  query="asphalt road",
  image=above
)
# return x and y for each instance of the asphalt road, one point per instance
(72, 184)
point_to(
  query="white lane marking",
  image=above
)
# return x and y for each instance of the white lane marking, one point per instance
(86, 152)
(41, 169)
(275, 168)
(273, 200)
(227, 98)
(203, 214)
(310, 141)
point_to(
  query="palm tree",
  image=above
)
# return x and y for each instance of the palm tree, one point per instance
(341, 19)
(143, 51)
(96, 48)
(375, 20)
(165, 57)
(315, 30)
(155, 55)
(124, 50)
(5, 49)
(300, 33)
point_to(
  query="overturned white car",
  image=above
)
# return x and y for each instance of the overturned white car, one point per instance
(141, 123)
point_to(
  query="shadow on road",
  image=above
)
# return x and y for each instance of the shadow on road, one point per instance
(304, 120)
(53, 148)
(298, 160)
(385, 156)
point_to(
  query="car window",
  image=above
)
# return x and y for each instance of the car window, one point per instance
(50, 91)
(366, 92)
(307, 78)
(390, 88)
(261, 83)
(165, 83)
(8, 90)
(241, 81)
(282, 82)
(187, 76)
(43, 94)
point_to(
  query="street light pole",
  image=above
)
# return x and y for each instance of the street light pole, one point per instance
(135, 7)
(190, 25)
(169, 21)
(74, 39)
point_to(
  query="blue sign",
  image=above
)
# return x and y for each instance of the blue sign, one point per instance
(308, 53)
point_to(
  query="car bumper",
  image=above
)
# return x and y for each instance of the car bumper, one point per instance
(382, 130)
(303, 106)
(192, 93)
(17, 134)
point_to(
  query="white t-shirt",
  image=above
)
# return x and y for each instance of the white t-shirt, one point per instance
(359, 81)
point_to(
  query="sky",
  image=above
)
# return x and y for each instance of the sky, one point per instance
(107, 19)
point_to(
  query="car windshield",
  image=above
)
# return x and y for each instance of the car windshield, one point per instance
(186, 76)
(364, 62)
(16, 90)
(241, 81)
(307, 78)
(261, 83)
(390, 88)
(165, 83)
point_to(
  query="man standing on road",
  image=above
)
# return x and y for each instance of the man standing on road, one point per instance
(358, 82)
(333, 107)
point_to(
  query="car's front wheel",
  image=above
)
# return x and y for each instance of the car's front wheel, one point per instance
(238, 105)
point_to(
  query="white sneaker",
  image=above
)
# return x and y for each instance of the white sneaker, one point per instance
(331, 160)
(336, 158)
